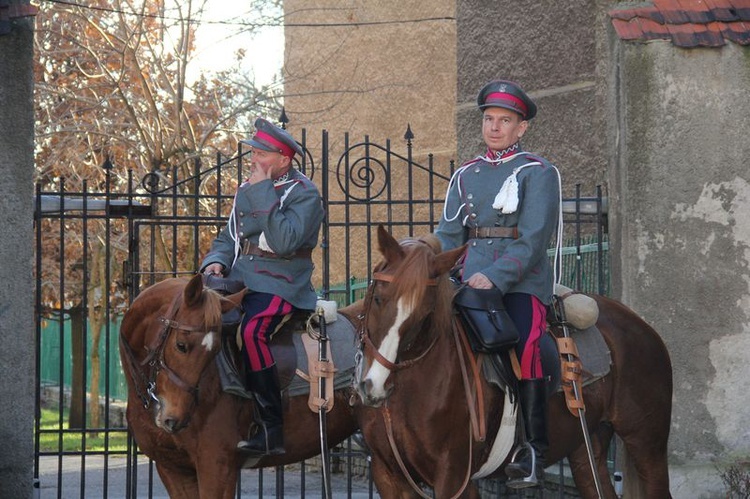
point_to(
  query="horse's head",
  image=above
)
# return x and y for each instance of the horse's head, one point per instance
(409, 296)
(187, 339)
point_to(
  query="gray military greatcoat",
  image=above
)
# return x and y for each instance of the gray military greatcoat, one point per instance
(518, 265)
(288, 213)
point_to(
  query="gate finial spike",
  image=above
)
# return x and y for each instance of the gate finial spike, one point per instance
(409, 135)
(283, 119)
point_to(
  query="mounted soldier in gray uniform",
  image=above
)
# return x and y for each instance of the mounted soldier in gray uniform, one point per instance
(505, 204)
(267, 244)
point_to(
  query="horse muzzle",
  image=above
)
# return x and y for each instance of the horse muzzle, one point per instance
(169, 421)
(369, 396)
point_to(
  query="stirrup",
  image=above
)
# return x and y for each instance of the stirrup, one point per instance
(262, 434)
(527, 481)
(244, 448)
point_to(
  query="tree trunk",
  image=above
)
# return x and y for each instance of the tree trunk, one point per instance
(77, 414)
(97, 313)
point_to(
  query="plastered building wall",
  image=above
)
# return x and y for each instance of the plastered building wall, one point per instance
(681, 248)
(556, 52)
(372, 68)
(391, 65)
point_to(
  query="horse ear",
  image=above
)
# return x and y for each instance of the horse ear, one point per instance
(388, 246)
(193, 291)
(232, 301)
(446, 260)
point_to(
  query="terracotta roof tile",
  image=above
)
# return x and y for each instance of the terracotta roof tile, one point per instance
(737, 32)
(687, 23)
(697, 11)
(672, 11)
(742, 7)
(653, 30)
(651, 13)
(627, 30)
(723, 10)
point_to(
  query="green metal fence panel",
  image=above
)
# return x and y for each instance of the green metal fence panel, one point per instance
(57, 340)
(580, 265)
(344, 294)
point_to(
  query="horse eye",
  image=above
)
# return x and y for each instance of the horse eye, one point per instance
(182, 347)
(376, 299)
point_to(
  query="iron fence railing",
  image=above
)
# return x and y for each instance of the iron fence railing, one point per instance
(148, 229)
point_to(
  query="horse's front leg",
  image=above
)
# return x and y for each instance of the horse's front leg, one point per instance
(391, 483)
(179, 482)
(217, 474)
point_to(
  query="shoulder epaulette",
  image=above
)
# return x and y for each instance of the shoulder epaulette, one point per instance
(534, 157)
(470, 162)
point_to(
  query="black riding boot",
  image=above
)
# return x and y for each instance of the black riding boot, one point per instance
(533, 398)
(269, 438)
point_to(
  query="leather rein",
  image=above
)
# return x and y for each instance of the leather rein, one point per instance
(145, 385)
(478, 425)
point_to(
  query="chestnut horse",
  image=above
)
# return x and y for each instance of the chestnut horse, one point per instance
(418, 423)
(177, 411)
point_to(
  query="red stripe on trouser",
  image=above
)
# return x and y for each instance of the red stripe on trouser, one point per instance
(531, 360)
(258, 331)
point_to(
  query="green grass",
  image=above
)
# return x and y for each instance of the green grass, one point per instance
(72, 441)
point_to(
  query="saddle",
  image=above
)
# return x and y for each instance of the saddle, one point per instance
(295, 352)
(295, 349)
(582, 358)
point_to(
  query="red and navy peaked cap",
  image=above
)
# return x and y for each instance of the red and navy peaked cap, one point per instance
(269, 137)
(508, 95)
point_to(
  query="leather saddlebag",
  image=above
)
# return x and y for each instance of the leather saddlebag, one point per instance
(488, 325)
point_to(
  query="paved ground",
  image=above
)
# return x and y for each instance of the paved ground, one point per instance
(66, 476)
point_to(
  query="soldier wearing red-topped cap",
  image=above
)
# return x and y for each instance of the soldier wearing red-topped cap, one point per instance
(505, 204)
(267, 243)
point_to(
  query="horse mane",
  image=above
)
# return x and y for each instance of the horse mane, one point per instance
(415, 273)
(211, 308)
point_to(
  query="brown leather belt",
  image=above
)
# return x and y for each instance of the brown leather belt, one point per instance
(249, 248)
(493, 232)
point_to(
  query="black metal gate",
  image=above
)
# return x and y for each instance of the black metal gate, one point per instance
(98, 246)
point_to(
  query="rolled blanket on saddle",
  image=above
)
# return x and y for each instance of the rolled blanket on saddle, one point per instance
(581, 311)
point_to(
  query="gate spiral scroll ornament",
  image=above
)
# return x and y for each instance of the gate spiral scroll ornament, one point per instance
(363, 172)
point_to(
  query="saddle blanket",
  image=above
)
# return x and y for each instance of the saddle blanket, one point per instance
(342, 339)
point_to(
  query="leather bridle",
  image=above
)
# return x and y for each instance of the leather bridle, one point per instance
(145, 385)
(366, 344)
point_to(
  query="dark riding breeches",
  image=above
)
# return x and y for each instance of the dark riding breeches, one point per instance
(530, 315)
